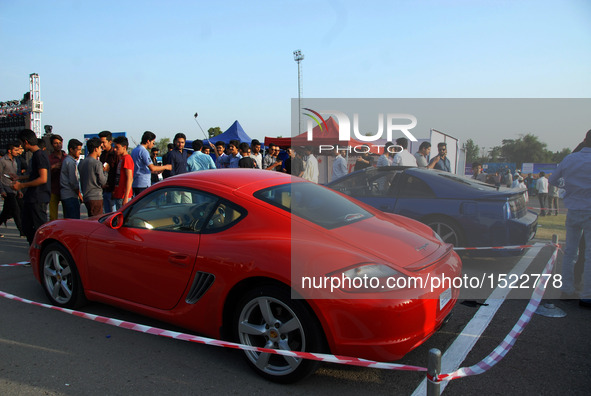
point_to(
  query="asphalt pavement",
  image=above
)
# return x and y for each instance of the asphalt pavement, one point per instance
(46, 352)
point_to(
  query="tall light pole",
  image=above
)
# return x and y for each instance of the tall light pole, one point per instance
(299, 57)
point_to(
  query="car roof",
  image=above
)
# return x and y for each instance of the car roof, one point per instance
(446, 185)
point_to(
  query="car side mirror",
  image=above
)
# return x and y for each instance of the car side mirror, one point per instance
(115, 221)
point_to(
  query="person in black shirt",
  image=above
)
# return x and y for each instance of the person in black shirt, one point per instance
(363, 161)
(294, 165)
(165, 160)
(178, 156)
(38, 193)
(109, 157)
(154, 154)
(246, 161)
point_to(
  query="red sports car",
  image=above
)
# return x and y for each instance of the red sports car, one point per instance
(261, 258)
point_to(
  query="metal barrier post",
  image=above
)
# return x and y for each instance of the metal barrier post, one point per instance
(433, 370)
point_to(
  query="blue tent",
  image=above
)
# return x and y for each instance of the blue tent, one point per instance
(235, 132)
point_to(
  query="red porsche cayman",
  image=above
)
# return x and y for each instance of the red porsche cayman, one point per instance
(261, 258)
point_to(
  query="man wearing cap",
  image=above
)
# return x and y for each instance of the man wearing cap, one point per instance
(515, 183)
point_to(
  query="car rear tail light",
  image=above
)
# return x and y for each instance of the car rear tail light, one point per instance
(367, 278)
(507, 210)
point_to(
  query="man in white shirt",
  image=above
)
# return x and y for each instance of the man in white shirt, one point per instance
(339, 166)
(310, 166)
(542, 189)
(404, 157)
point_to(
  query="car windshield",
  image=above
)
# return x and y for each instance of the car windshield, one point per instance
(314, 203)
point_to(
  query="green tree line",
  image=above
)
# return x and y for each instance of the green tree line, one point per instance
(528, 148)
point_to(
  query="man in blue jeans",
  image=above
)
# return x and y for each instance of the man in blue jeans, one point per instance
(574, 170)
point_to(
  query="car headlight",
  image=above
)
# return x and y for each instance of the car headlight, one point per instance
(367, 278)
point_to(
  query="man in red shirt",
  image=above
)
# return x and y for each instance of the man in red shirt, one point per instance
(124, 175)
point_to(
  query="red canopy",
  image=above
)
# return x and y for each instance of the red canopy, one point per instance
(328, 135)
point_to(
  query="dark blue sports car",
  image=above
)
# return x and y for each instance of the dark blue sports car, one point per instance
(462, 211)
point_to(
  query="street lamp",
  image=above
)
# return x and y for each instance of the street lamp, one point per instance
(299, 57)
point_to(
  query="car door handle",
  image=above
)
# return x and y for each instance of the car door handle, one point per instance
(179, 259)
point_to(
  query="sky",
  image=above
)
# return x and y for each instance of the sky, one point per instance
(151, 65)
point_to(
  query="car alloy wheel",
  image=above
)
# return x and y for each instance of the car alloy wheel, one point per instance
(60, 277)
(268, 318)
(447, 231)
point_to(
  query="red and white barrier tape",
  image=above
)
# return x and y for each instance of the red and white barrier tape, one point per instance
(15, 264)
(494, 247)
(549, 210)
(210, 341)
(505, 346)
(484, 365)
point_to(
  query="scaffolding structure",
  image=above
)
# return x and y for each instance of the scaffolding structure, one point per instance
(35, 105)
(16, 115)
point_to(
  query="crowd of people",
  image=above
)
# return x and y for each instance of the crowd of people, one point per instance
(548, 195)
(35, 180)
(400, 156)
(110, 175)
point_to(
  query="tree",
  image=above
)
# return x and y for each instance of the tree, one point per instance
(162, 145)
(495, 153)
(528, 148)
(525, 149)
(214, 131)
(472, 151)
(558, 156)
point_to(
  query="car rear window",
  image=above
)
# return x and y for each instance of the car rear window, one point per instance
(314, 203)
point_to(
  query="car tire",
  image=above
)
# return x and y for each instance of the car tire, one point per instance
(447, 229)
(267, 317)
(60, 278)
